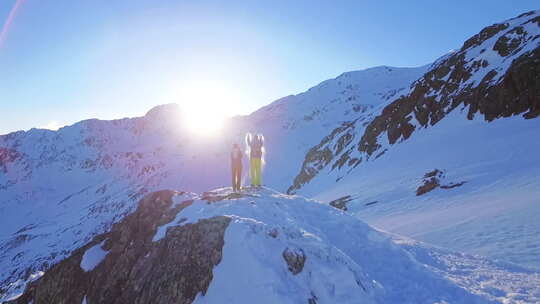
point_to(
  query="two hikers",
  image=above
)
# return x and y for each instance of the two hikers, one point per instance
(255, 144)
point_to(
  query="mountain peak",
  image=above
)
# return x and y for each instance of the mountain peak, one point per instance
(164, 110)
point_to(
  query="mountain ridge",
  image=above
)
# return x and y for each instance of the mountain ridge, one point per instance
(59, 189)
(184, 248)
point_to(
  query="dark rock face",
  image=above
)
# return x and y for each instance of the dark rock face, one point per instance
(432, 180)
(341, 203)
(295, 259)
(508, 43)
(433, 96)
(136, 269)
(484, 35)
(7, 156)
(321, 155)
(453, 185)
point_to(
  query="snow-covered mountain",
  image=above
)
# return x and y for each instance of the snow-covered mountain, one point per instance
(461, 131)
(262, 246)
(472, 122)
(59, 189)
(493, 75)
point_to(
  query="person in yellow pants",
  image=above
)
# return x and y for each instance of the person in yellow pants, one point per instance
(255, 171)
(255, 144)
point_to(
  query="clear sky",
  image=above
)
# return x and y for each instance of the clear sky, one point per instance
(62, 61)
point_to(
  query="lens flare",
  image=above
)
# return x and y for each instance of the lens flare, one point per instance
(9, 21)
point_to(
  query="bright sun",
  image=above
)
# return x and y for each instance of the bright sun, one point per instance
(202, 118)
(205, 107)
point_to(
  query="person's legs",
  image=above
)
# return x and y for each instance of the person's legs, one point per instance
(252, 170)
(233, 174)
(257, 172)
(239, 178)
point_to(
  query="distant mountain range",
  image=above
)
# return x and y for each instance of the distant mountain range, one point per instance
(447, 153)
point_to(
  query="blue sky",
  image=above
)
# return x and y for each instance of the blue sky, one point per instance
(62, 61)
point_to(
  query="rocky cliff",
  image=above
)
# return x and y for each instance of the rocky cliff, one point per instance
(126, 266)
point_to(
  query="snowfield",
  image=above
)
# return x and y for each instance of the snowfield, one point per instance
(346, 261)
(493, 214)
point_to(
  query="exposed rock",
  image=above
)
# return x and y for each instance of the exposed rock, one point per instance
(7, 156)
(428, 185)
(313, 299)
(484, 35)
(341, 203)
(136, 269)
(509, 42)
(274, 232)
(295, 259)
(432, 180)
(321, 155)
(453, 185)
(433, 97)
(434, 173)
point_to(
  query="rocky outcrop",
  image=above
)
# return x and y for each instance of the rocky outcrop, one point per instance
(458, 81)
(7, 156)
(295, 259)
(433, 180)
(430, 182)
(136, 269)
(321, 155)
(341, 203)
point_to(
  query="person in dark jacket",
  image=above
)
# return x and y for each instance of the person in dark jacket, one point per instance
(256, 148)
(236, 166)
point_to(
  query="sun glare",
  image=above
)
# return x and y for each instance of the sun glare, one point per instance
(202, 119)
(204, 109)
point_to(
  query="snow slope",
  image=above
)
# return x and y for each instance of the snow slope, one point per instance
(276, 248)
(346, 260)
(493, 213)
(487, 148)
(59, 189)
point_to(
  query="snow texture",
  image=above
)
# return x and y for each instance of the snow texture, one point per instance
(346, 260)
(492, 214)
